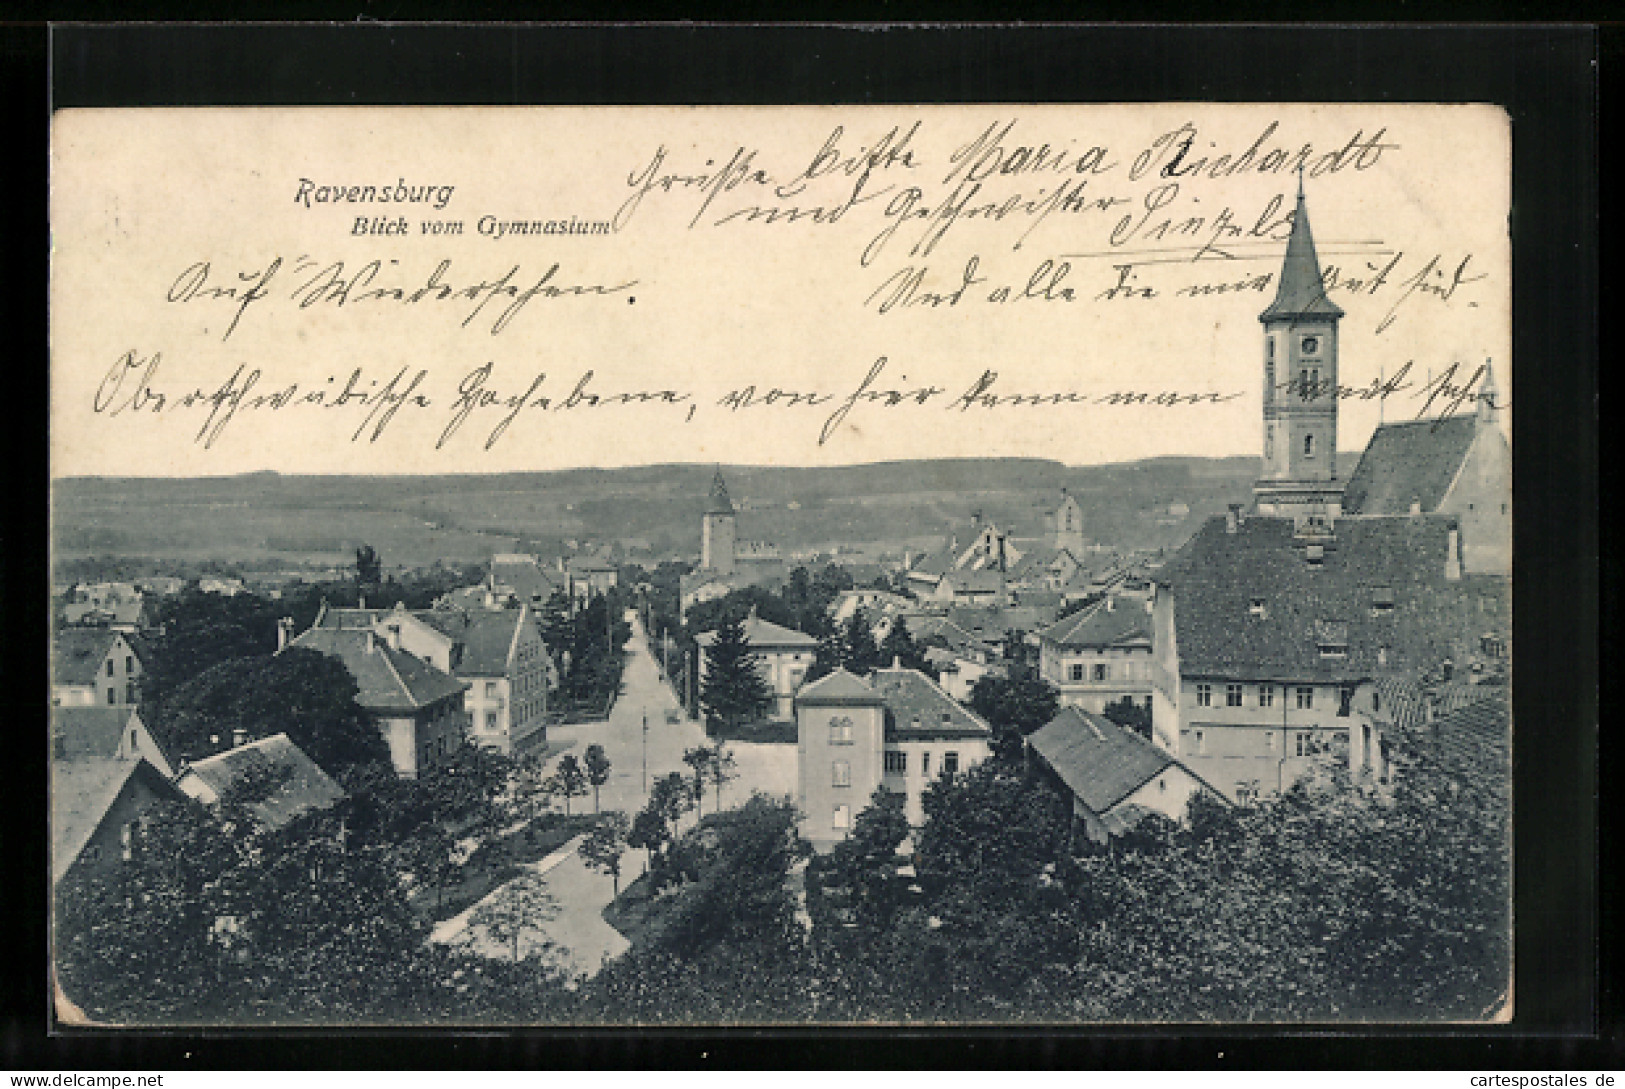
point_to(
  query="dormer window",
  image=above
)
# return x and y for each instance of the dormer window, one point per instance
(1382, 601)
(1256, 607)
(1315, 554)
(1332, 638)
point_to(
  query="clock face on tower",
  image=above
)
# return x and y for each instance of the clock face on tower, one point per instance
(1311, 345)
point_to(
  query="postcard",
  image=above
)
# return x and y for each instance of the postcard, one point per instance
(724, 565)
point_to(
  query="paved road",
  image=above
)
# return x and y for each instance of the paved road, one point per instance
(637, 731)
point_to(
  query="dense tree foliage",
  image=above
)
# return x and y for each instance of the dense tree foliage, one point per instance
(1014, 707)
(1130, 715)
(733, 690)
(304, 693)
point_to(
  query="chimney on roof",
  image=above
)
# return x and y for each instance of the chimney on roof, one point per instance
(284, 633)
(361, 601)
(1232, 518)
(1111, 604)
(1452, 555)
(372, 641)
(239, 738)
(897, 661)
(1416, 506)
(394, 636)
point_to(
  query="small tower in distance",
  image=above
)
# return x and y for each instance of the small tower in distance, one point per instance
(1299, 478)
(717, 530)
(1069, 526)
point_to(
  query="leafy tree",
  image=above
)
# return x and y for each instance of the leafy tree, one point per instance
(1014, 707)
(862, 655)
(570, 780)
(721, 769)
(604, 845)
(733, 691)
(200, 631)
(864, 865)
(649, 832)
(829, 655)
(597, 768)
(671, 798)
(1131, 716)
(698, 759)
(899, 646)
(520, 908)
(302, 692)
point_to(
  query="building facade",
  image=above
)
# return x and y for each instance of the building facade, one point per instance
(1101, 654)
(784, 656)
(896, 729)
(95, 667)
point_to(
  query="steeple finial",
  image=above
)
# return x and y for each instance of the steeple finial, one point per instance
(1488, 400)
(1300, 183)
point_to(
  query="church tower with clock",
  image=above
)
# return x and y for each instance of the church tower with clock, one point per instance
(1299, 479)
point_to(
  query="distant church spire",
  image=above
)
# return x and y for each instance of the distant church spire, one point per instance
(1488, 398)
(720, 503)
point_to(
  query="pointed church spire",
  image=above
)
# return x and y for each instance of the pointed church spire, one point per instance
(1299, 292)
(720, 503)
(1488, 398)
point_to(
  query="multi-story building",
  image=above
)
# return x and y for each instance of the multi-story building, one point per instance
(416, 706)
(498, 653)
(897, 729)
(1101, 654)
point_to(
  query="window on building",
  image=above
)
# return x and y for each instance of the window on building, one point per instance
(1102, 672)
(1266, 695)
(1345, 701)
(109, 667)
(896, 762)
(950, 763)
(490, 720)
(129, 693)
(1308, 446)
(1304, 745)
(1269, 740)
(490, 690)
(1204, 695)
(1076, 672)
(1232, 695)
(840, 731)
(925, 763)
(841, 773)
(1311, 345)
(112, 695)
(134, 746)
(1376, 701)
(129, 663)
(1201, 742)
(841, 820)
(1306, 699)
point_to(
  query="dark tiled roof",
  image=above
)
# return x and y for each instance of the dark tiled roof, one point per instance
(839, 687)
(386, 679)
(78, 654)
(1404, 701)
(89, 733)
(487, 638)
(1300, 291)
(1098, 760)
(919, 708)
(1217, 576)
(527, 580)
(1098, 626)
(1416, 460)
(301, 786)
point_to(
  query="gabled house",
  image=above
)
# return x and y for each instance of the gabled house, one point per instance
(499, 653)
(417, 707)
(1101, 654)
(271, 778)
(517, 578)
(105, 733)
(896, 728)
(1455, 465)
(99, 808)
(95, 667)
(1114, 776)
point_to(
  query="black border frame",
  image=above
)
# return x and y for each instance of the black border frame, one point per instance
(1545, 76)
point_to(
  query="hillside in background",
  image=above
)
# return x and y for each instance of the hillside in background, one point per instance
(270, 519)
